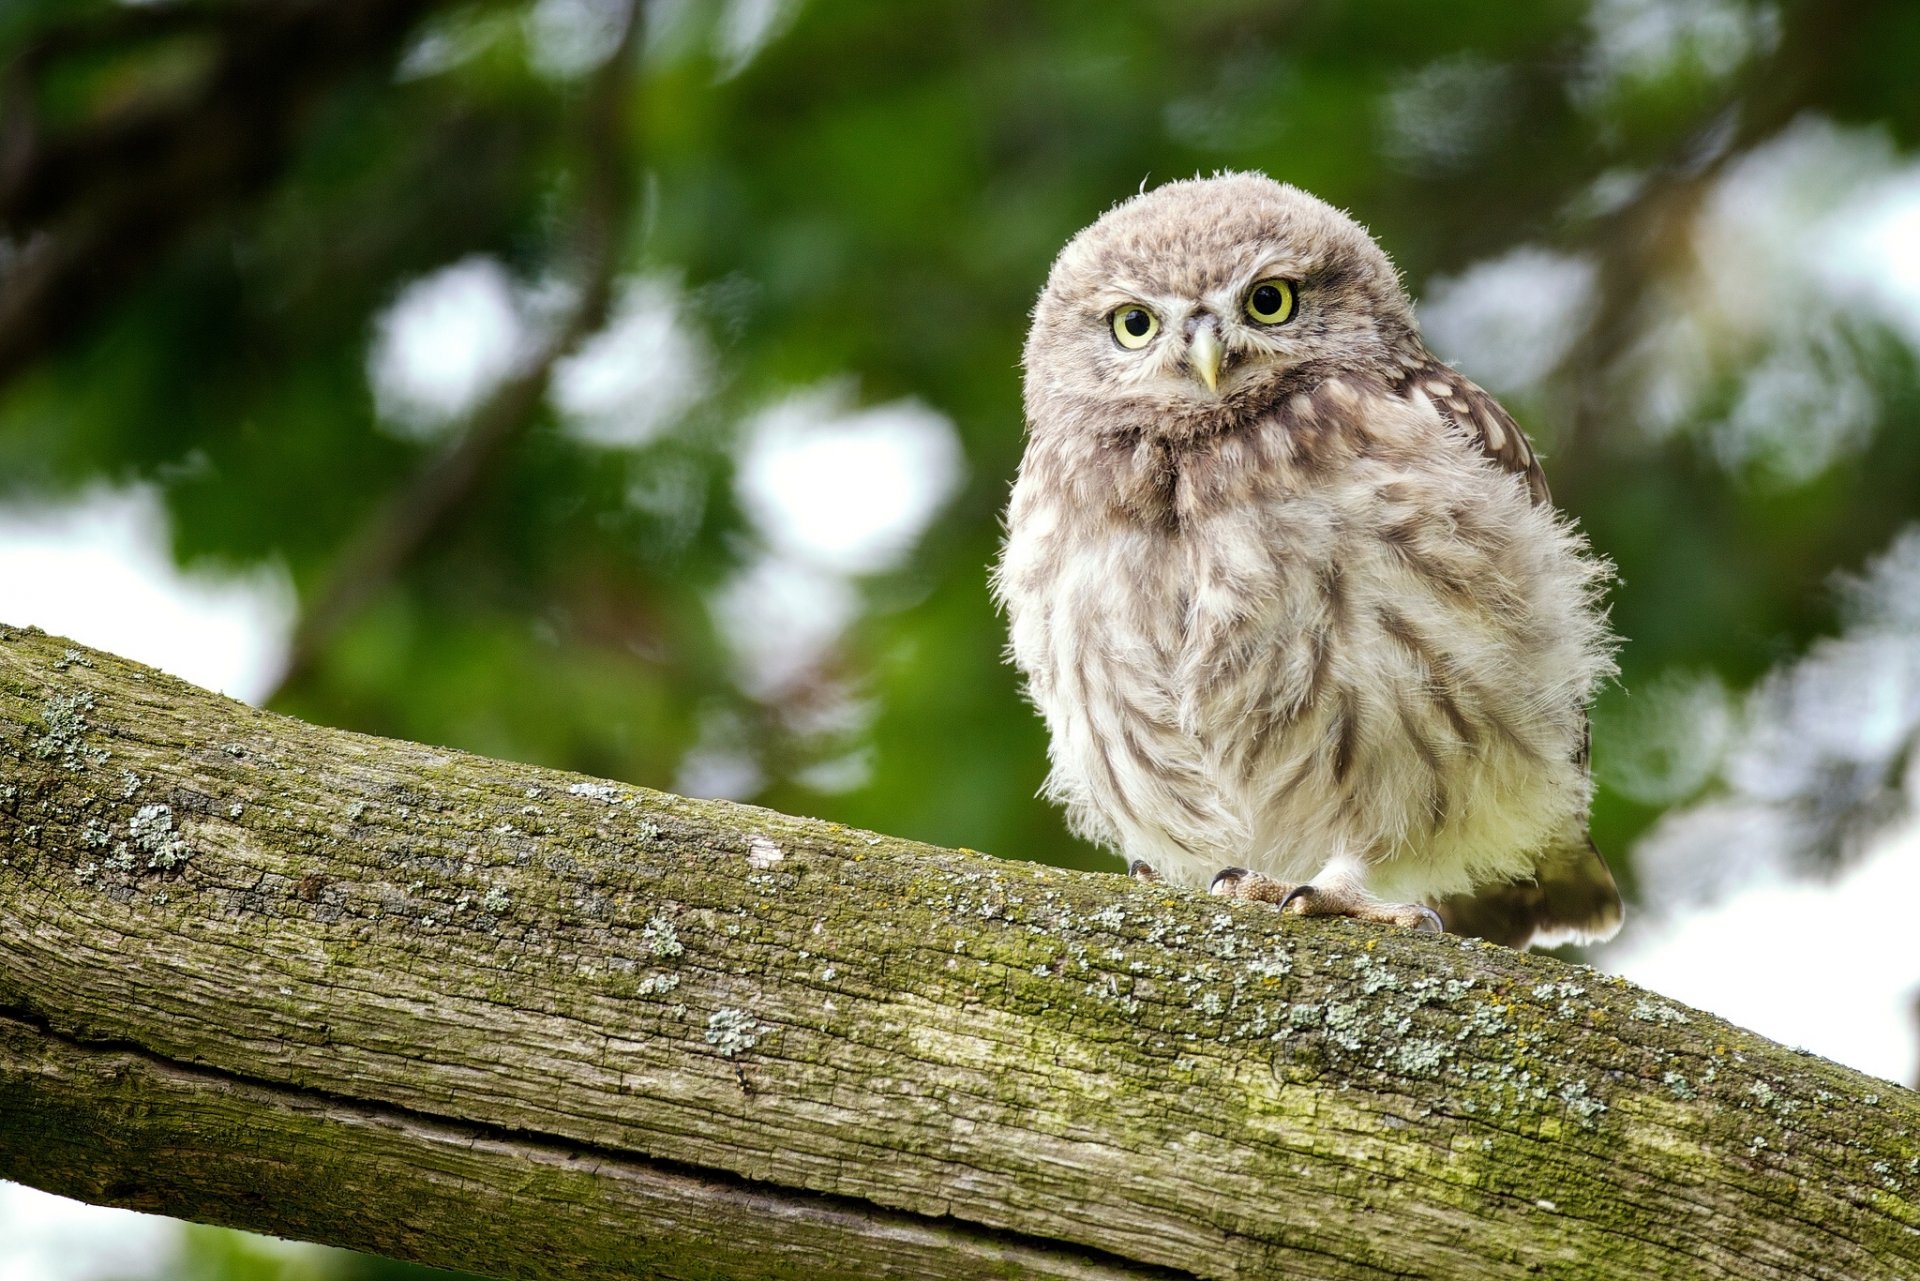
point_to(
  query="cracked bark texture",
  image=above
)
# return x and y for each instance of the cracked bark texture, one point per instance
(490, 1016)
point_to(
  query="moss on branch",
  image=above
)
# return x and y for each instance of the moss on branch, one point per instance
(492, 1016)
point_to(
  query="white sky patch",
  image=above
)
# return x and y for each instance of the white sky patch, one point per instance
(1801, 406)
(1646, 40)
(1732, 923)
(831, 724)
(721, 763)
(747, 27)
(1827, 966)
(99, 571)
(1698, 856)
(639, 374)
(1781, 229)
(449, 41)
(848, 772)
(1849, 707)
(1845, 710)
(566, 39)
(49, 1238)
(1607, 194)
(1802, 242)
(847, 489)
(835, 492)
(782, 619)
(1507, 322)
(1877, 250)
(447, 341)
(1805, 757)
(732, 33)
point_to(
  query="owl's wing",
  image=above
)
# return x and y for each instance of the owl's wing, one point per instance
(1462, 402)
(1572, 897)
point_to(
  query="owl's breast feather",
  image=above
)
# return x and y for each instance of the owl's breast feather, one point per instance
(1393, 653)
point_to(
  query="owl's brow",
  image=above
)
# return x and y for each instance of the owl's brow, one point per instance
(1119, 294)
(1285, 266)
(1334, 275)
(1121, 290)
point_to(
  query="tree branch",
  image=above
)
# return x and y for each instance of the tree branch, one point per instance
(490, 1016)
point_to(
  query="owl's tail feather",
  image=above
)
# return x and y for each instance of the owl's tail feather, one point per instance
(1570, 899)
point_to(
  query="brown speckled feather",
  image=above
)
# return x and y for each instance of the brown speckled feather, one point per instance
(1462, 402)
(1571, 896)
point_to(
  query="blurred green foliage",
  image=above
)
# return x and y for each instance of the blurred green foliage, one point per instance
(875, 190)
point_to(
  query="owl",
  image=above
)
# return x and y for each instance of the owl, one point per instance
(1289, 591)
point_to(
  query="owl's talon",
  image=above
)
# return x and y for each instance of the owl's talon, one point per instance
(1333, 897)
(1337, 899)
(1141, 870)
(1227, 881)
(1239, 882)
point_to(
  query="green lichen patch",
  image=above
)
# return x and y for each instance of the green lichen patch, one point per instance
(733, 1032)
(1648, 1010)
(71, 657)
(65, 737)
(660, 938)
(151, 831)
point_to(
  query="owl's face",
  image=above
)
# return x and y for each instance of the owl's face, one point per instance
(1200, 298)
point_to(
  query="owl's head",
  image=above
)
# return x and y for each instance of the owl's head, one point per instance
(1203, 300)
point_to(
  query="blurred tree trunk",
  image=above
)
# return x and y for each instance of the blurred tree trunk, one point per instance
(490, 1016)
(95, 206)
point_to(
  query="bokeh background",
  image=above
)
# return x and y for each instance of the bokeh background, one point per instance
(633, 388)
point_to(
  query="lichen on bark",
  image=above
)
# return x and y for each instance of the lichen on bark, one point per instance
(332, 976)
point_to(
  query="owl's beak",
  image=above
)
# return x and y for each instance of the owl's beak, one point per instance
(1204, 354)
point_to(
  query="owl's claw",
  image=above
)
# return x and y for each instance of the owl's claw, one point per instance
(1141, 870)
(1238, 882)
(1310, 900)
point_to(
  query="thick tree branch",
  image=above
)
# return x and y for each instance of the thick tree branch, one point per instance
(491, 1016)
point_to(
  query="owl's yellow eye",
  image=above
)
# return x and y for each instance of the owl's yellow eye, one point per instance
(1271, 302)
(1134, 327)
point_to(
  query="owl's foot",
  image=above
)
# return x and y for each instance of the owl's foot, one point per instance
(1309, 900)
(1333, 899)
(1238, 882)
(1141, 870)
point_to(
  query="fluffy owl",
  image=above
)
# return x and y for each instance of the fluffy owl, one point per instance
(1289, 591)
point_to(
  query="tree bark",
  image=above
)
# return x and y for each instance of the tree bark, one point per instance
(490, 1016)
